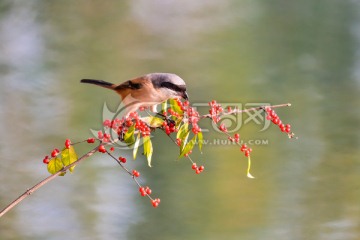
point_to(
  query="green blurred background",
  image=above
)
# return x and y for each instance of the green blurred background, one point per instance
(250, 51)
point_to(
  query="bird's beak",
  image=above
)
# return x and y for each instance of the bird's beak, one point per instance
(185, 95)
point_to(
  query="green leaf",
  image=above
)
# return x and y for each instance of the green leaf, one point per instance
(136, 145)
(129, 138)
(183, 130)
(183, 134)
(200, 140)
(164, 106)
(148, 149)
(188, 147)
(55, 165)
(175, 106)
(68, 156)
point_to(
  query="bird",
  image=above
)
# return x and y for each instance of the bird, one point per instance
(146, 91)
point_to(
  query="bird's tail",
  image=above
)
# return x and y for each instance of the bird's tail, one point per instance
(100, 83)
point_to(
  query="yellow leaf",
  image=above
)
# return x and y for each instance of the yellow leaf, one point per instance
(148, 149)
(55, 165)
(248, 174)
(68, 156)
(200, 140)
(152, 121)
(136, 145)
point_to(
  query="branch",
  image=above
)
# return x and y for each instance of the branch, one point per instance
(45, 181)
(235, 111)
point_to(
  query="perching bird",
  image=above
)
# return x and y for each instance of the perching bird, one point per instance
(146, 91)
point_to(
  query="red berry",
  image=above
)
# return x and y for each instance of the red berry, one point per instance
(112, 149)
(276, 121)
(135, 173)
(90, 140)
(107, 123)
(247, 153)
(102, 149)
(272, 113)
(201, 168)
(222, 128)
(67, 143)
(197, 171)
(100, 135)
(148, 190)
(142, 191)
(237, 136)
(155, 203)
(54, 153)
(194, 166)
(243, 147)
(122, 159)
(46, 160)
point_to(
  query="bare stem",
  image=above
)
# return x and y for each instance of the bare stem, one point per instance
(236, 111)
(45, 181)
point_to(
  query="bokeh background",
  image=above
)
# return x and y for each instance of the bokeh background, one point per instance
(250, 51)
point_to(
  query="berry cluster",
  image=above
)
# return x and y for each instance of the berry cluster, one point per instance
(135, 173)
(155, 202)
(223, 128)
(121, 126)
(104, 137)
(197, 169)
(169, 127)
(236, 138)
(102, 149)
(122, 159)
(56, 152)
(142, 127)
(274, 118)
(194, 118)
(246, 150)
(144, 191)
(215, 110)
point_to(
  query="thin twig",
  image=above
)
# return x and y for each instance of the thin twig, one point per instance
(45, 181)
(235, 111)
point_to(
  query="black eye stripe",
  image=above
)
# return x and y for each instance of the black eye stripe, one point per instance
(176, 88)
